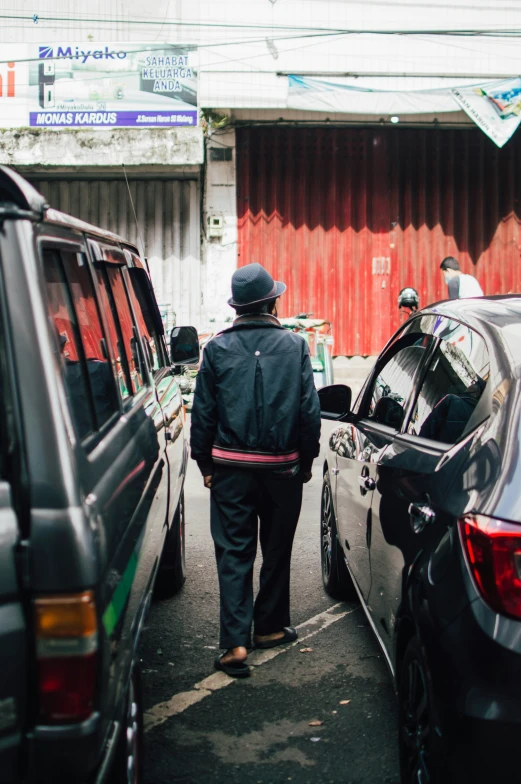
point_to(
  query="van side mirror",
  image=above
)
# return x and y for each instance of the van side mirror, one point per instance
(184, 346)
(335, 402)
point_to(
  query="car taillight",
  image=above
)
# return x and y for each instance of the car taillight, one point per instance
(493, 552)
(66, 647)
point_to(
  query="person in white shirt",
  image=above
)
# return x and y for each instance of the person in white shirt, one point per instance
(460, 286)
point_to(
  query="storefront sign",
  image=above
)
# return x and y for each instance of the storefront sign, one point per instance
(98, 86)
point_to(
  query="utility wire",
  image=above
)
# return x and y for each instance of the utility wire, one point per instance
(485, 31)
(161, 47)
(135, 216)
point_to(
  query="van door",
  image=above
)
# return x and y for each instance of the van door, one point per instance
(13, 632)
(132, 490)
(119, 443)
(12, 643)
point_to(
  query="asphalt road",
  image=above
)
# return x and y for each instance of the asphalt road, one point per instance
(258, 731)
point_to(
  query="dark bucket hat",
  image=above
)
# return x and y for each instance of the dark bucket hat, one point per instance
(253, 284)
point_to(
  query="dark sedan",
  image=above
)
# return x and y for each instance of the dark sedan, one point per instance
(421, 519)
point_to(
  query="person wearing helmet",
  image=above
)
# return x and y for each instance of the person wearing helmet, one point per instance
(408, 301)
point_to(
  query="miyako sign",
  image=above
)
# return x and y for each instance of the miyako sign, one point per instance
(69, 85)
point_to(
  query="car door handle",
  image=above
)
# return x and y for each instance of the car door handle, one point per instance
(421, 515)
(366, 482)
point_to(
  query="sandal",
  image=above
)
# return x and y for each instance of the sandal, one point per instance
(290, 635)
(236, 670)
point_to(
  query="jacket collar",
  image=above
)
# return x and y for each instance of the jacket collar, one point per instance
(254, 322)
(257, 318)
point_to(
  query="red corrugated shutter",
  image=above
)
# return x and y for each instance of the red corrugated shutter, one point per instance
(348, 217)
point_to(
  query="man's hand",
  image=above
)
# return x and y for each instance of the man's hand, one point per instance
(208, 481)
(306, 476)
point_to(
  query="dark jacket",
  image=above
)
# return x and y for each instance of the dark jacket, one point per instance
(255, 402)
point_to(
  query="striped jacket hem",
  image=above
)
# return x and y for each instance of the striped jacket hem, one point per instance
(248, 458)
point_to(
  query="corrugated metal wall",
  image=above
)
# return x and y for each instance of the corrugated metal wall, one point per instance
(168, 216)
(348, 217)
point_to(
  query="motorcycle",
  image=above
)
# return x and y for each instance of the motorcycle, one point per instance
(318, 334)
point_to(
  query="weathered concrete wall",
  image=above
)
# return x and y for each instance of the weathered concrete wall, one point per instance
(219, 253)
(85, 148)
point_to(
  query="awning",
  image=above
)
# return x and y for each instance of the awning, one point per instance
(494, 106)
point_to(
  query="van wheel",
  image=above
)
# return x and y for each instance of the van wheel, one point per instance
(171, 575)
(335, 576)
(128, 762)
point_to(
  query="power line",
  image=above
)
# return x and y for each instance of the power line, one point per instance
(161, 47)
(484, 31)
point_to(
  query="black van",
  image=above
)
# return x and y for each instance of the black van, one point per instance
(92, 464)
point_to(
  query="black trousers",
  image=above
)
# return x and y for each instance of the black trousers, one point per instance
(240, 499)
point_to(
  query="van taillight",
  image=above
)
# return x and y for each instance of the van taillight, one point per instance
(493, 553)
(66, 647)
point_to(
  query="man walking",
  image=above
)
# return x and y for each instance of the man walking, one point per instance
(460, 286)
(255, 432)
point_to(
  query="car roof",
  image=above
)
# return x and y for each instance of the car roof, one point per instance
(480, 308)
(497, 318)
(497, 311)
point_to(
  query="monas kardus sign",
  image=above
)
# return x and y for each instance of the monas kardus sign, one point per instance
(70, 85)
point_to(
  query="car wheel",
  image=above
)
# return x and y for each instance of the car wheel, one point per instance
(171, 575)
(335, 575)
(128, 762)
(423, 758)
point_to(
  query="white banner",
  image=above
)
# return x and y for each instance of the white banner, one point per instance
(495, 107)
(337, 96)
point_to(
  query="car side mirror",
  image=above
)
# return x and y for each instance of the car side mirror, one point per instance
(335, 402)
(184, 346)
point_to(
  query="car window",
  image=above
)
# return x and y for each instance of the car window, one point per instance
(453, 386)
(393, 385)
(122, 331)
(67, 334)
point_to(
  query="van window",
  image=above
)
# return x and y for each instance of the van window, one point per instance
(67, 334)
(123, 333)
(121, 371)
(101, 380)
(150, 338)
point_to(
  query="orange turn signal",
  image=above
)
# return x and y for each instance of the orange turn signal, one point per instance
(66, 616)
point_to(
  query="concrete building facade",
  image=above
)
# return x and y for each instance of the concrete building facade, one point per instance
(183, 181)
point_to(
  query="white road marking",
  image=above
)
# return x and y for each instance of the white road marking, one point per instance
(178, 703)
